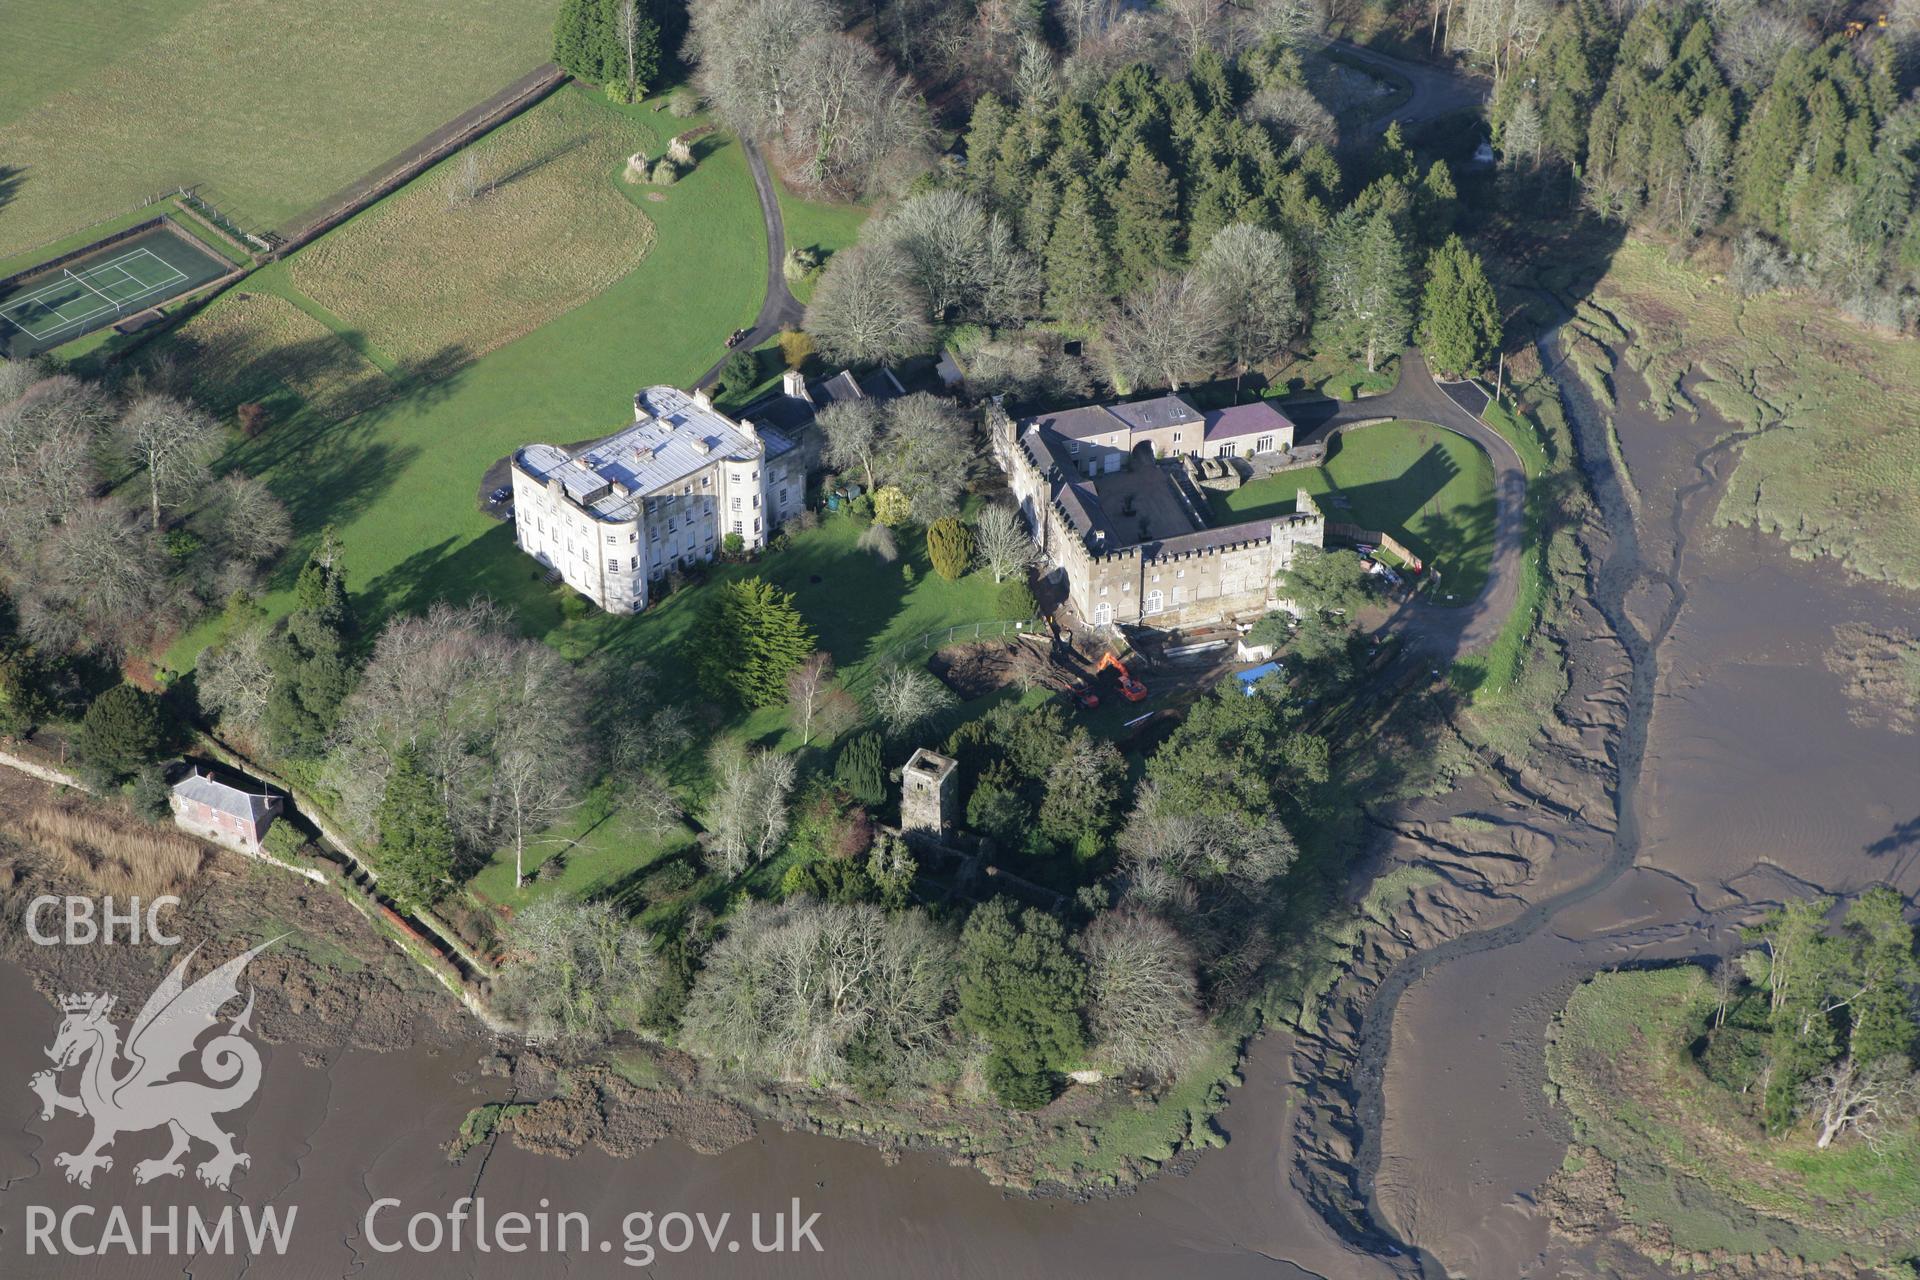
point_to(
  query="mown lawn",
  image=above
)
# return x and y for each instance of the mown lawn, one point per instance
(275, 106)
(864, 610)
(817, 224)
(1430, 488)
(597, 852)
(401, 480)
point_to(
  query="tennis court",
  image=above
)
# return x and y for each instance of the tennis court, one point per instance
(48, 307)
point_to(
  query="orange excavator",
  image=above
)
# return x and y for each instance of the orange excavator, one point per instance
(1130, 689)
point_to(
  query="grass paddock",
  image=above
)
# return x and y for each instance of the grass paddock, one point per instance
(274, 106)
(421, 274)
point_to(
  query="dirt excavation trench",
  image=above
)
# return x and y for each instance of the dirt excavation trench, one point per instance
(1711, 758)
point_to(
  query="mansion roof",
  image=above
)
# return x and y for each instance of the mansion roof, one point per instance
(674, 437)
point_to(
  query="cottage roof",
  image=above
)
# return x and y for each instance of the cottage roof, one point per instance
(793, 414)
(1151, 415)
(1078, 424)
(204, 788)
(1258, 418)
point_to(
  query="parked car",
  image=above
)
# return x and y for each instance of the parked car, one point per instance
(500, 495)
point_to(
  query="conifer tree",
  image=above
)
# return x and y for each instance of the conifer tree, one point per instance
(416, 842)
(121, 731)
(1365, 285)
(748, 637)
(1146, 212)
(1020, 991)
(1459, 316)
(309, 656)
(984, 132)
(590, 42)
(1079, 267)
(860, 771)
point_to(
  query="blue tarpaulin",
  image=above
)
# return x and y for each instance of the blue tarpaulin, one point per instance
(1253, 675)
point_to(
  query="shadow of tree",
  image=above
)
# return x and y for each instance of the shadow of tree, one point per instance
(325, 450)
(531, 166)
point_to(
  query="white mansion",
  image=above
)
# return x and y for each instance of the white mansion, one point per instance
(665, 492)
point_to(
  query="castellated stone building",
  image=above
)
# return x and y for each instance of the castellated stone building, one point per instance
(1102, 491)
(613, 516)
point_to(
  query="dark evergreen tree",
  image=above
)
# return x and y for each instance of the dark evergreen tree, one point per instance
(1459, 315)
(1079, 267)
(591, 41)
(1146, 221)
(309, 656)
(1020, 990)
(120, 732)
(746, 640)
(416, 843)
(861, 771)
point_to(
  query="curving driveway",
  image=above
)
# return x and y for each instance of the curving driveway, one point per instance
(1437, 91)
(1447, 631)
(778, 308)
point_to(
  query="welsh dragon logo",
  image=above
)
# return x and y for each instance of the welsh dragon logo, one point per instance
(144, 1095)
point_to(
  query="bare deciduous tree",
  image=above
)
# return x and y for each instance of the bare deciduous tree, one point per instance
(792, 988)
(49, 437)
(929, 453)
(234, 678)
(1002, 543)
(851, 115)
(747, 52)
(1165, 334)
(940, 238)
(173, 443)
(852, 429)
(903, 698)
(807, 688)
(250, 522)
(746, 816)
(1293, 108)
(493, 717)
(1143, 1008)
(576, 972)
(878, 539)
(1863, 1098)
(1749, 48)
(1161, 850)
(866, 310)
(103, 579)
(1292, 21)
(1248, 274)
(1036, 83)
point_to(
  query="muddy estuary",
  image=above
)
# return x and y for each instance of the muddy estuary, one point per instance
(1712, 764)
(1708, 761)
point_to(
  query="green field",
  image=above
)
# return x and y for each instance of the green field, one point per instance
(1430, 488)
(1694, 1170)
(274, 106)
(401, 480)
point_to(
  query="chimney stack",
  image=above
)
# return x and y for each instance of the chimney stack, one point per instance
(795, 385)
